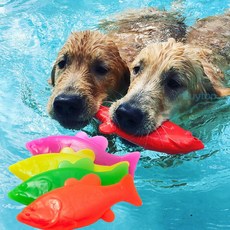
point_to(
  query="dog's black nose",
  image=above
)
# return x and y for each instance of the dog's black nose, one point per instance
(68, 106)
(129, 118)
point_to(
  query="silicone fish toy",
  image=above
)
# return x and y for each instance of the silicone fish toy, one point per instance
(98, 144)
(88, 164)
(42, 183)
(168, 138)
(37, 164)
(78, 203)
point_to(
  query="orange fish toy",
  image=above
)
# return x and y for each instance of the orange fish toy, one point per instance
(79, 203)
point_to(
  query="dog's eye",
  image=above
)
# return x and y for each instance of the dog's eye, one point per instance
(174, 84)
(100, 68)
(136, 69)
(61, 64)
(171, 80)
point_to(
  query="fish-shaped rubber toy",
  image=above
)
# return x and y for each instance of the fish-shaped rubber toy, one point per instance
(34, 165)
(42, 183)
(88, 164)
(168, 138)
(79, 203)
(54, 144)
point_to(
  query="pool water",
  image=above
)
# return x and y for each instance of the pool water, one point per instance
(178, 192)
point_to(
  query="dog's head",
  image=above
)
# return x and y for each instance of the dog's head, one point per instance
(163, 75)
(88, 69)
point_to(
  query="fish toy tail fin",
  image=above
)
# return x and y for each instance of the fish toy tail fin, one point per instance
(133, 159)
(32, 147)
(130, 193)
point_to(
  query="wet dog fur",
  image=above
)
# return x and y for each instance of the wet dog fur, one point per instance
(88, 69)
(92, 67)
(169, 75)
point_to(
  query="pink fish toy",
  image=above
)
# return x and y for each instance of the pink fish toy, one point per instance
(168, 138)
(98, 144)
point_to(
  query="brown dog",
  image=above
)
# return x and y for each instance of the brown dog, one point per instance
(171, 74)
(92, 67)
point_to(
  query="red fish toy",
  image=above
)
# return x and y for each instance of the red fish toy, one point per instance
(168, 138)
(79, 203)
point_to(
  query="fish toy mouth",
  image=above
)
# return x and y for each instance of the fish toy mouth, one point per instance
(34, 219)
(20, 197)
(29, 217)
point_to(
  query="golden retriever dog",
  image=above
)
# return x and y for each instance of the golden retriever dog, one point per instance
(92, 67)
(168, 75)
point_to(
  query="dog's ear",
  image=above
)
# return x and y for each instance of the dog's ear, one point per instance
(223, 92)
(51, 81)
(125, 79)
(127, 76)
(214, 75)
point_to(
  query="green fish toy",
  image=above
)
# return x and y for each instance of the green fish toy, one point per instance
(42, 183)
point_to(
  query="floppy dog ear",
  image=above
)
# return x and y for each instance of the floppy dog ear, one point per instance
(127, 76)
(51, 81)
(223, 92)
(125, 79)
(215, 76)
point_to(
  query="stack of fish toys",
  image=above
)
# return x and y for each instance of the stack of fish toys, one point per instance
(50, 175)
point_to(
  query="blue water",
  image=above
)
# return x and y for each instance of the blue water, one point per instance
(178, 192)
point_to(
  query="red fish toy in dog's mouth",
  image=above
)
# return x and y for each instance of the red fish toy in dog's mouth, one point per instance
(168, 138)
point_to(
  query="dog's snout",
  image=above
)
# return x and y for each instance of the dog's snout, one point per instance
(128, 117)
(68, 105)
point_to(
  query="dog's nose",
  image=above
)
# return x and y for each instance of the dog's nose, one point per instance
(128, 117)
(68, 106)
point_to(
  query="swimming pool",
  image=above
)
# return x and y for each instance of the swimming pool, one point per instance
(178, 192)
